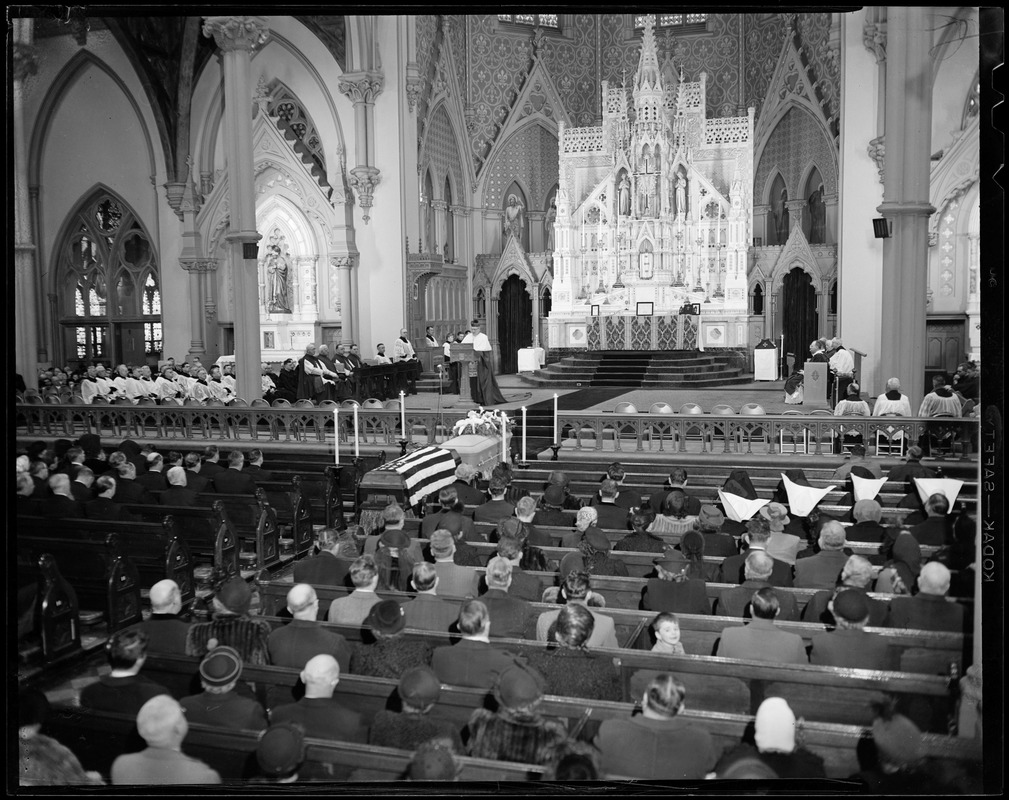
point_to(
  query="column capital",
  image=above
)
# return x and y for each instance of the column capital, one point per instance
(341, 261)
(874, 35)
(439, 205)
(362, 87)
(364, 180)
(414, 88)
(908, 208)
(198, 264)
(461, 211)
(25, 60)
(236, 33)
(877, 152)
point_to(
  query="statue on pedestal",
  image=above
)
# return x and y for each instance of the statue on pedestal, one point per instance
(514, 217)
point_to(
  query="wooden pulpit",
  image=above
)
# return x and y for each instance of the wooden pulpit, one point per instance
(463, 354)
(815, 382)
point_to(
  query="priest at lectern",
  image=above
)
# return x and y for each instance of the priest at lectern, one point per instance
(484, 385)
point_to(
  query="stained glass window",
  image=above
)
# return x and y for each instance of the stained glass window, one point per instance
(671, 20)
(110, 280)
(533, 20)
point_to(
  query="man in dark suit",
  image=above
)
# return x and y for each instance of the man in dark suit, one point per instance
(820, 571)
(474, 661)
(467, 493)
(525, 512)
(849, 645)
(867, 515)
(304, 637)
(510, 616)
(935, 530)
(26, 503)
(904, 474)
(154, 479)
(497, 508)
(450, 517)
(756, 537)
(232, 480)
(62, 504)
(104, 506)
(929, 610)
(317, 712)
(427, 611)
(127, 488)
(818, 351)
(219, 704)
(211, 462)
(255, 469)
(610, 515)
(756, 571)
(123, 690)
(195, 479)
(81, 487)
(523, 585)
(856, 575)
(326, 568)
(166, 630)
(677, 480)
(626, 498)
(178, 492)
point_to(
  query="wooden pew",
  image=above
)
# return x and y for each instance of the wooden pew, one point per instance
(288, 501)
(101, 574)
(98, 737)
(722, 684)
(155, 549)
(56, 611)
(254, 522)
(206, 530)
(836, 743)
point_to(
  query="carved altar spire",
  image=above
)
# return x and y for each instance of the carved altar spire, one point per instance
(648, 76)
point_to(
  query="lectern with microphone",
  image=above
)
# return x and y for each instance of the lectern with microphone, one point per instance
(463, 353)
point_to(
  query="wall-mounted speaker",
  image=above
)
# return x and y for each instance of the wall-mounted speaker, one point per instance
(881, 228)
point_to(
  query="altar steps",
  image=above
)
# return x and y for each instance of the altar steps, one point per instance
(636, 369)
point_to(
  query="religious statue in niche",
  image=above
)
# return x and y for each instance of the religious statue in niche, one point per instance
(514, 218)
(817, 217)
(549, 223)
(624, 196)
(681, 195)
(278, 268)
(781, 217)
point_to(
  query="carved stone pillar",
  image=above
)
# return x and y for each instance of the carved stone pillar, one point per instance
(440, 210)
(906, 195)
(238, 37)
(197, 269)
(343, 264)
(362, 88)
(26, 300)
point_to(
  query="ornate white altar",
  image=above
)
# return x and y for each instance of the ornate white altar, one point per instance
(654, 208)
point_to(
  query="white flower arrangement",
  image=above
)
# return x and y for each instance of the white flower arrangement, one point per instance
(484, 422)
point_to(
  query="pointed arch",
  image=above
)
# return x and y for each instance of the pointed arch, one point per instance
(62, 85)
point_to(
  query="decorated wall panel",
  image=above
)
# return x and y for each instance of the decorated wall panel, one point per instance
(530, 158)
(426, 27)
(797, 142)
(443, 154)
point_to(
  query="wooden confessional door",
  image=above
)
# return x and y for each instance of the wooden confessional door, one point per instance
(800, 322)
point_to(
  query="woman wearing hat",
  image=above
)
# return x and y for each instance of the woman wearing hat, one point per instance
(392, 653)
(679, 585)
(709, 524)
(782, 546)
(592, 556)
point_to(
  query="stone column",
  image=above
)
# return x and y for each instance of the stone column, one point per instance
(342, 265)
(238, 37)
(440, 209)
(197, 268)
(362, 88)
(908, 120)
(26, 300)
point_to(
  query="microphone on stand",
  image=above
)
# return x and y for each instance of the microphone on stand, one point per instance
(441, 385)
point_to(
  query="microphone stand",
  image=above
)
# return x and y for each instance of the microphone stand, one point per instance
(441, 387)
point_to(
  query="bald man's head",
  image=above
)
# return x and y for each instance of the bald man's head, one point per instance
(302, 602)
(166, 597)
(934, 579)
(758, 566)
(60, 484)
(162, 723)
(176, 476)
(320, 676)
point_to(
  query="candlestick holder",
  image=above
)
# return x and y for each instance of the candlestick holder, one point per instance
(556, 447)
(402, 446)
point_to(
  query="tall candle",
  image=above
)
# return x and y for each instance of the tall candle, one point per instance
(556, 428)
(523, 454)
(357, 439)
(402, 413)
(336, 434)
(504, 437)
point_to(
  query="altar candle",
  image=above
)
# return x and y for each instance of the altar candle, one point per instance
(357, 440)
(336, 435)
(556, 429)
(402, 412)
(523, 455)
(504, 437)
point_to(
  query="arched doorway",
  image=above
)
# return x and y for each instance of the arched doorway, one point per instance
(799, 318)
(514, 322)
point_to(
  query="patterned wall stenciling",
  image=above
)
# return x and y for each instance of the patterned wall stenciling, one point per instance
(443, 155)
(796, 142)
(947, 245)
(529, 157)
(572, 66)
(764, 34)
(426, 27)
(455, 30)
